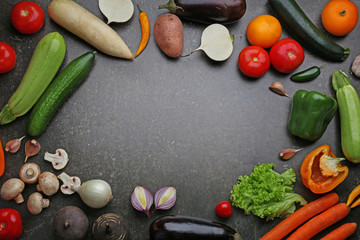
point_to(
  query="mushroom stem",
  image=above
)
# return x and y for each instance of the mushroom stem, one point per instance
(19, 198)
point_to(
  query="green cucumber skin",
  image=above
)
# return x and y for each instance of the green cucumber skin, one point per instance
(58, 92)
(44, 64)
(349, 108)
(308, 34)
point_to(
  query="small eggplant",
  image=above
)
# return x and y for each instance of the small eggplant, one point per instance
(190, 228)
(207, 11)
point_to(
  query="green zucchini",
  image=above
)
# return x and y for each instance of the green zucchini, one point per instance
(58, 91)
(299, 24)
(349, 107)
(44, 64)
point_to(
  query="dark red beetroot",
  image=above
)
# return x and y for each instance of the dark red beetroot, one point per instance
(207, 11)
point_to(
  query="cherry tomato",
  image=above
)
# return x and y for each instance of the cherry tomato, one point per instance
(254, 61)
(7, 57)
(10, 224)
(223, 209)
(286, 55)
(27, 17)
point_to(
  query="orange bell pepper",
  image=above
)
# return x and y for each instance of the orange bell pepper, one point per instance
(321, 171)
(2, 160)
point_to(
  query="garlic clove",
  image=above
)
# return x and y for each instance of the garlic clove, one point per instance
(142, 200)
(13, 145)
(278, 87)
(288, 153)
(32, 147)
(165, 198)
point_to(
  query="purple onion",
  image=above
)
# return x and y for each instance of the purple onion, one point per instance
(165, 198)
(142, 200)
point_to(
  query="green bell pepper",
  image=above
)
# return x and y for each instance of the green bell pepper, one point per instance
(311, 113)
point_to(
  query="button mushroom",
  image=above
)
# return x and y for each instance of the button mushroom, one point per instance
(69, 183)
(29, 173)
(36, 203)
(48, 183)
(12, 189)
(59, 159)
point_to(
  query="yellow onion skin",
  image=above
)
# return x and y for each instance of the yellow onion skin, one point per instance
(95, 193)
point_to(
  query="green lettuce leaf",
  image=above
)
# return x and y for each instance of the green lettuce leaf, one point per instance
(266, 193)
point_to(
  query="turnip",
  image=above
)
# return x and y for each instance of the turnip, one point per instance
(117, 10)
(216, 42)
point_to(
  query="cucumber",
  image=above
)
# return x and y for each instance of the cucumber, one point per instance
(44, 64)
(349, 108)
(58, 91)
(298, 23)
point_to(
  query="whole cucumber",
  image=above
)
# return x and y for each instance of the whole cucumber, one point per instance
(44, 64)
(349, 107)
(299, 24)
(58, 91)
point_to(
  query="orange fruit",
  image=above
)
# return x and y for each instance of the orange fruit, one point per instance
(264, 31)
(339, 17)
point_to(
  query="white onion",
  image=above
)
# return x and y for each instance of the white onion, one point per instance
(95, 193)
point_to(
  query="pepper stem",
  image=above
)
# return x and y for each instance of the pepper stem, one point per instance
(329, 165)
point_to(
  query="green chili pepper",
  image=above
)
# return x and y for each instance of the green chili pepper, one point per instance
(306, 75)
(311, 112)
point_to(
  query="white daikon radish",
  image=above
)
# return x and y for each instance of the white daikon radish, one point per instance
(216, 42)
(117, 10)
(88, 27)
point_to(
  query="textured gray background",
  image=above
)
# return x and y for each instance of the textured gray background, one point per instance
(190, 122)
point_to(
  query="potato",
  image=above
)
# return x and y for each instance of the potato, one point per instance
(168, 33)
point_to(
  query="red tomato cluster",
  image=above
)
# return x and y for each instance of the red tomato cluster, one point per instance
(285, 55)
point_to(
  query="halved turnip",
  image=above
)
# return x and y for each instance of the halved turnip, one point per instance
(117, 10)
(216, 42)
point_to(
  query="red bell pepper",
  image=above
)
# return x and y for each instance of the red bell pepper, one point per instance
(10, 224)
(2, 160)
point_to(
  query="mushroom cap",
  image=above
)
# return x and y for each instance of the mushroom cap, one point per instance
(48, 183)
(29, 173)
(69, 183)
(12, 189)
(36, 203)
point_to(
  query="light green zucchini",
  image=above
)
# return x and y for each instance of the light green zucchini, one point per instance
(44, 64)
(349, 107)
(58, 91)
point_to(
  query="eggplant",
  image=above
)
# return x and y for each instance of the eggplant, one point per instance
(207, 11)
(190, 228)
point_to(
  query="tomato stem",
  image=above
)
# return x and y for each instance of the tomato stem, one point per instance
(342, 13)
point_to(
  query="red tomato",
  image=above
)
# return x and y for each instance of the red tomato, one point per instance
(27, 17)
(10, 224)
(7, 57)
(286, 55)
(223, 209)
(254, 61)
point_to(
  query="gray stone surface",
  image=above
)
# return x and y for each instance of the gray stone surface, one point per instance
(190, 123)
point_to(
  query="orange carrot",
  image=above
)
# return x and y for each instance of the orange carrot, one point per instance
(300, 216)
(320, 222)
(342, 232)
